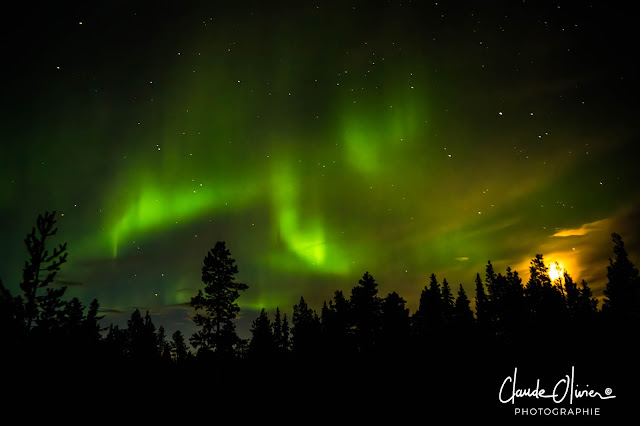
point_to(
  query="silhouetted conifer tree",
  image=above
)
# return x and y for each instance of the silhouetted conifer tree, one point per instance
(179, 350)
(427, 320)
(482, 305)
(218, 331)
(41, 262)
(538, 279)
(622, 292)
(278, 335)
(285, 342)
(447, 302)
(365, 313)
(545, 300)
(463, 316)
(587, 306)
(336, 325)
(142, 342)
(572, 294)
(164, 347)
(306, 330)
(395, 323)
(262, 343)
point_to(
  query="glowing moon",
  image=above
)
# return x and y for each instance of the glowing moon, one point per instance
(556, 271)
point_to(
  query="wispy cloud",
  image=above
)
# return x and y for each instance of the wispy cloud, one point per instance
(598, 225)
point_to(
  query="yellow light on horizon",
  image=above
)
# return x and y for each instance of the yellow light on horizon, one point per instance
(556, 271)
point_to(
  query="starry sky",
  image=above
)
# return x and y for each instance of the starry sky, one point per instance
(320, 140)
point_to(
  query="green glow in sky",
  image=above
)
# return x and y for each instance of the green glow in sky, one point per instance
(319, 143)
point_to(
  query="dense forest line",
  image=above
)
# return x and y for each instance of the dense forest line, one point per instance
(360, 338)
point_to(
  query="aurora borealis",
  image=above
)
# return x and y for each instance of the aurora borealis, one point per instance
(318, 139)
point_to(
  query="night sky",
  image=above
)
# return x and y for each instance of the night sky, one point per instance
(318, 139)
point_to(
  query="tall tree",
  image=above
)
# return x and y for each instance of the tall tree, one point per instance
(306, 330)
(41, 268)
(142, 341)
(622, 292)
(179, 350)
(482, 304)
(366, 314)
(463, 316)
(336, 324)
(447, 302)
(395, 322)
(587, 305)
(572, 294)
(218, 301)
(427, 320)
(262, 343)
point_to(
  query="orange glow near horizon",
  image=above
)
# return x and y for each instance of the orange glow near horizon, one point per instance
(556, 270)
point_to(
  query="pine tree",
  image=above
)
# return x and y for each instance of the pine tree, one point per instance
(427, 320)
(262, 343)
(306, 329)
(164, 347)
(463, 316)
(447, 302)
(587, 305)
(218, 332)
(622, 292)
(572, 293)
(179, 350)
(285, 344)
(482, 304)
(142, 342)
(366, 312)
(538, 279)
(40, 261)
(395, 322)
(336, 325)
(276, 331)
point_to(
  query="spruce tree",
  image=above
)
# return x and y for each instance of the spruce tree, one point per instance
(218, 303)
(366, 312)
(622, 292)
(395, 322)
(482, 304)
(262, 344)
(40, 271)
(179, 350)
(463, 316)
(306, 331)
(447, 302)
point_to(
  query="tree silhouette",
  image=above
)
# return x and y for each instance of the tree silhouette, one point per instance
(41, 262)
(622, 292)
(336, 325)
(448, 302)
(280, 330)
(218, 331)
(262, 343)
(395, 324)
(365, 312)
(463, 316)
(179, 350)
(482, 306)
(427, 320)
(306, 330)
(142, 341)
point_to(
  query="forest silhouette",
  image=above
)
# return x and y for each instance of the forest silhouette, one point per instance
(360, 345)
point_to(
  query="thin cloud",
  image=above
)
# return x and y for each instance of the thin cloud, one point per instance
(584, 229)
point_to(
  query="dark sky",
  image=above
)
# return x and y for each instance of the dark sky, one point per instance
(318, 139)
